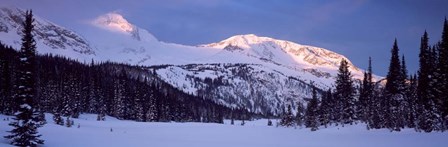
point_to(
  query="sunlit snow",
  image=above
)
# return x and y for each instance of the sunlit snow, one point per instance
(119, 133)
(114, 22)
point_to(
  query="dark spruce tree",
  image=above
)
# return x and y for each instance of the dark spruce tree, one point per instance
(58, 119)
(393, 96)
(120, 96)
(393, 76)
(411, 96)
(287, 119)
(404, 75)
(326, 108)
(443, 76)
(404, 102)
(344, 100)
(425, 119)
(366, 94)
(140, 94)
(25, 124)
(376, 113)
(300, 114)
(372, 110)
(363, 99)
(269, 122)
(312, 115)
(6, 84)
(435, 89)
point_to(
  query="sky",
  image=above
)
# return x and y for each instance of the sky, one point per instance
(354, 28)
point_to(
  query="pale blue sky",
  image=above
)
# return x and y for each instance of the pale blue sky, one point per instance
(355, 28)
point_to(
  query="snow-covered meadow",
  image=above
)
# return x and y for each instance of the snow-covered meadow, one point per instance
(113, 132)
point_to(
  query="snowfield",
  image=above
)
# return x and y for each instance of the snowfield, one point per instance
(254, 133)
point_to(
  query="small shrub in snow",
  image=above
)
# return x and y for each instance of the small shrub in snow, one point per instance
(68, 122)
(58, 119)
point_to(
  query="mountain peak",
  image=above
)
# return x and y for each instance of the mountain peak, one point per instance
(247, 36)
(282, 51)
(114, 22)
(248, 39)
(241, 41)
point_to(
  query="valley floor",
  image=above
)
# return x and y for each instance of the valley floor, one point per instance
(253, 134)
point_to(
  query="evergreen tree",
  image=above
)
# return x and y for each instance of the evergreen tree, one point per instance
(443, 74)
(68, 122)
(138, 102)
(101, 104)
(311, 115)
(425, 93)
(300, 114)
(67, 100)
(412, 102)
(287, 119)
(101, 117)
(5, 83)
(393, 84)
(152, 112)
(344, 100)
(365, 97)
(25, 124)
(376, 112)
(269, 122)
(393, 92)
(58, 119)
(93, 93)
(120, 96)
(326, 108)
(372, 110)
(404, 73)
(404, 106)
(41, 118)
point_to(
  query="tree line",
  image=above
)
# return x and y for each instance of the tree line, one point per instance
(68, 88)
(418, 101)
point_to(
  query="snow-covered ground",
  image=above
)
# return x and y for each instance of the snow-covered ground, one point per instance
(253, 134)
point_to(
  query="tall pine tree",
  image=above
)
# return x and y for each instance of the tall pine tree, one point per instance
(404, 105)
(326, 108)
(412, 102)
(120, 96)
(393, 84)
(300, 114)
(443, 74)
(393, 92)
(344, 99)
(425, 93)
(26, 122)
(365, 97)
(311, 115)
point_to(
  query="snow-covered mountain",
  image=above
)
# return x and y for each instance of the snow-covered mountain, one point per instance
(253, 86)
(281, 52)
(50, 37)
(259, 73)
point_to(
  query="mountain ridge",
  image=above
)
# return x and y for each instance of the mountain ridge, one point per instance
(279, 72)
